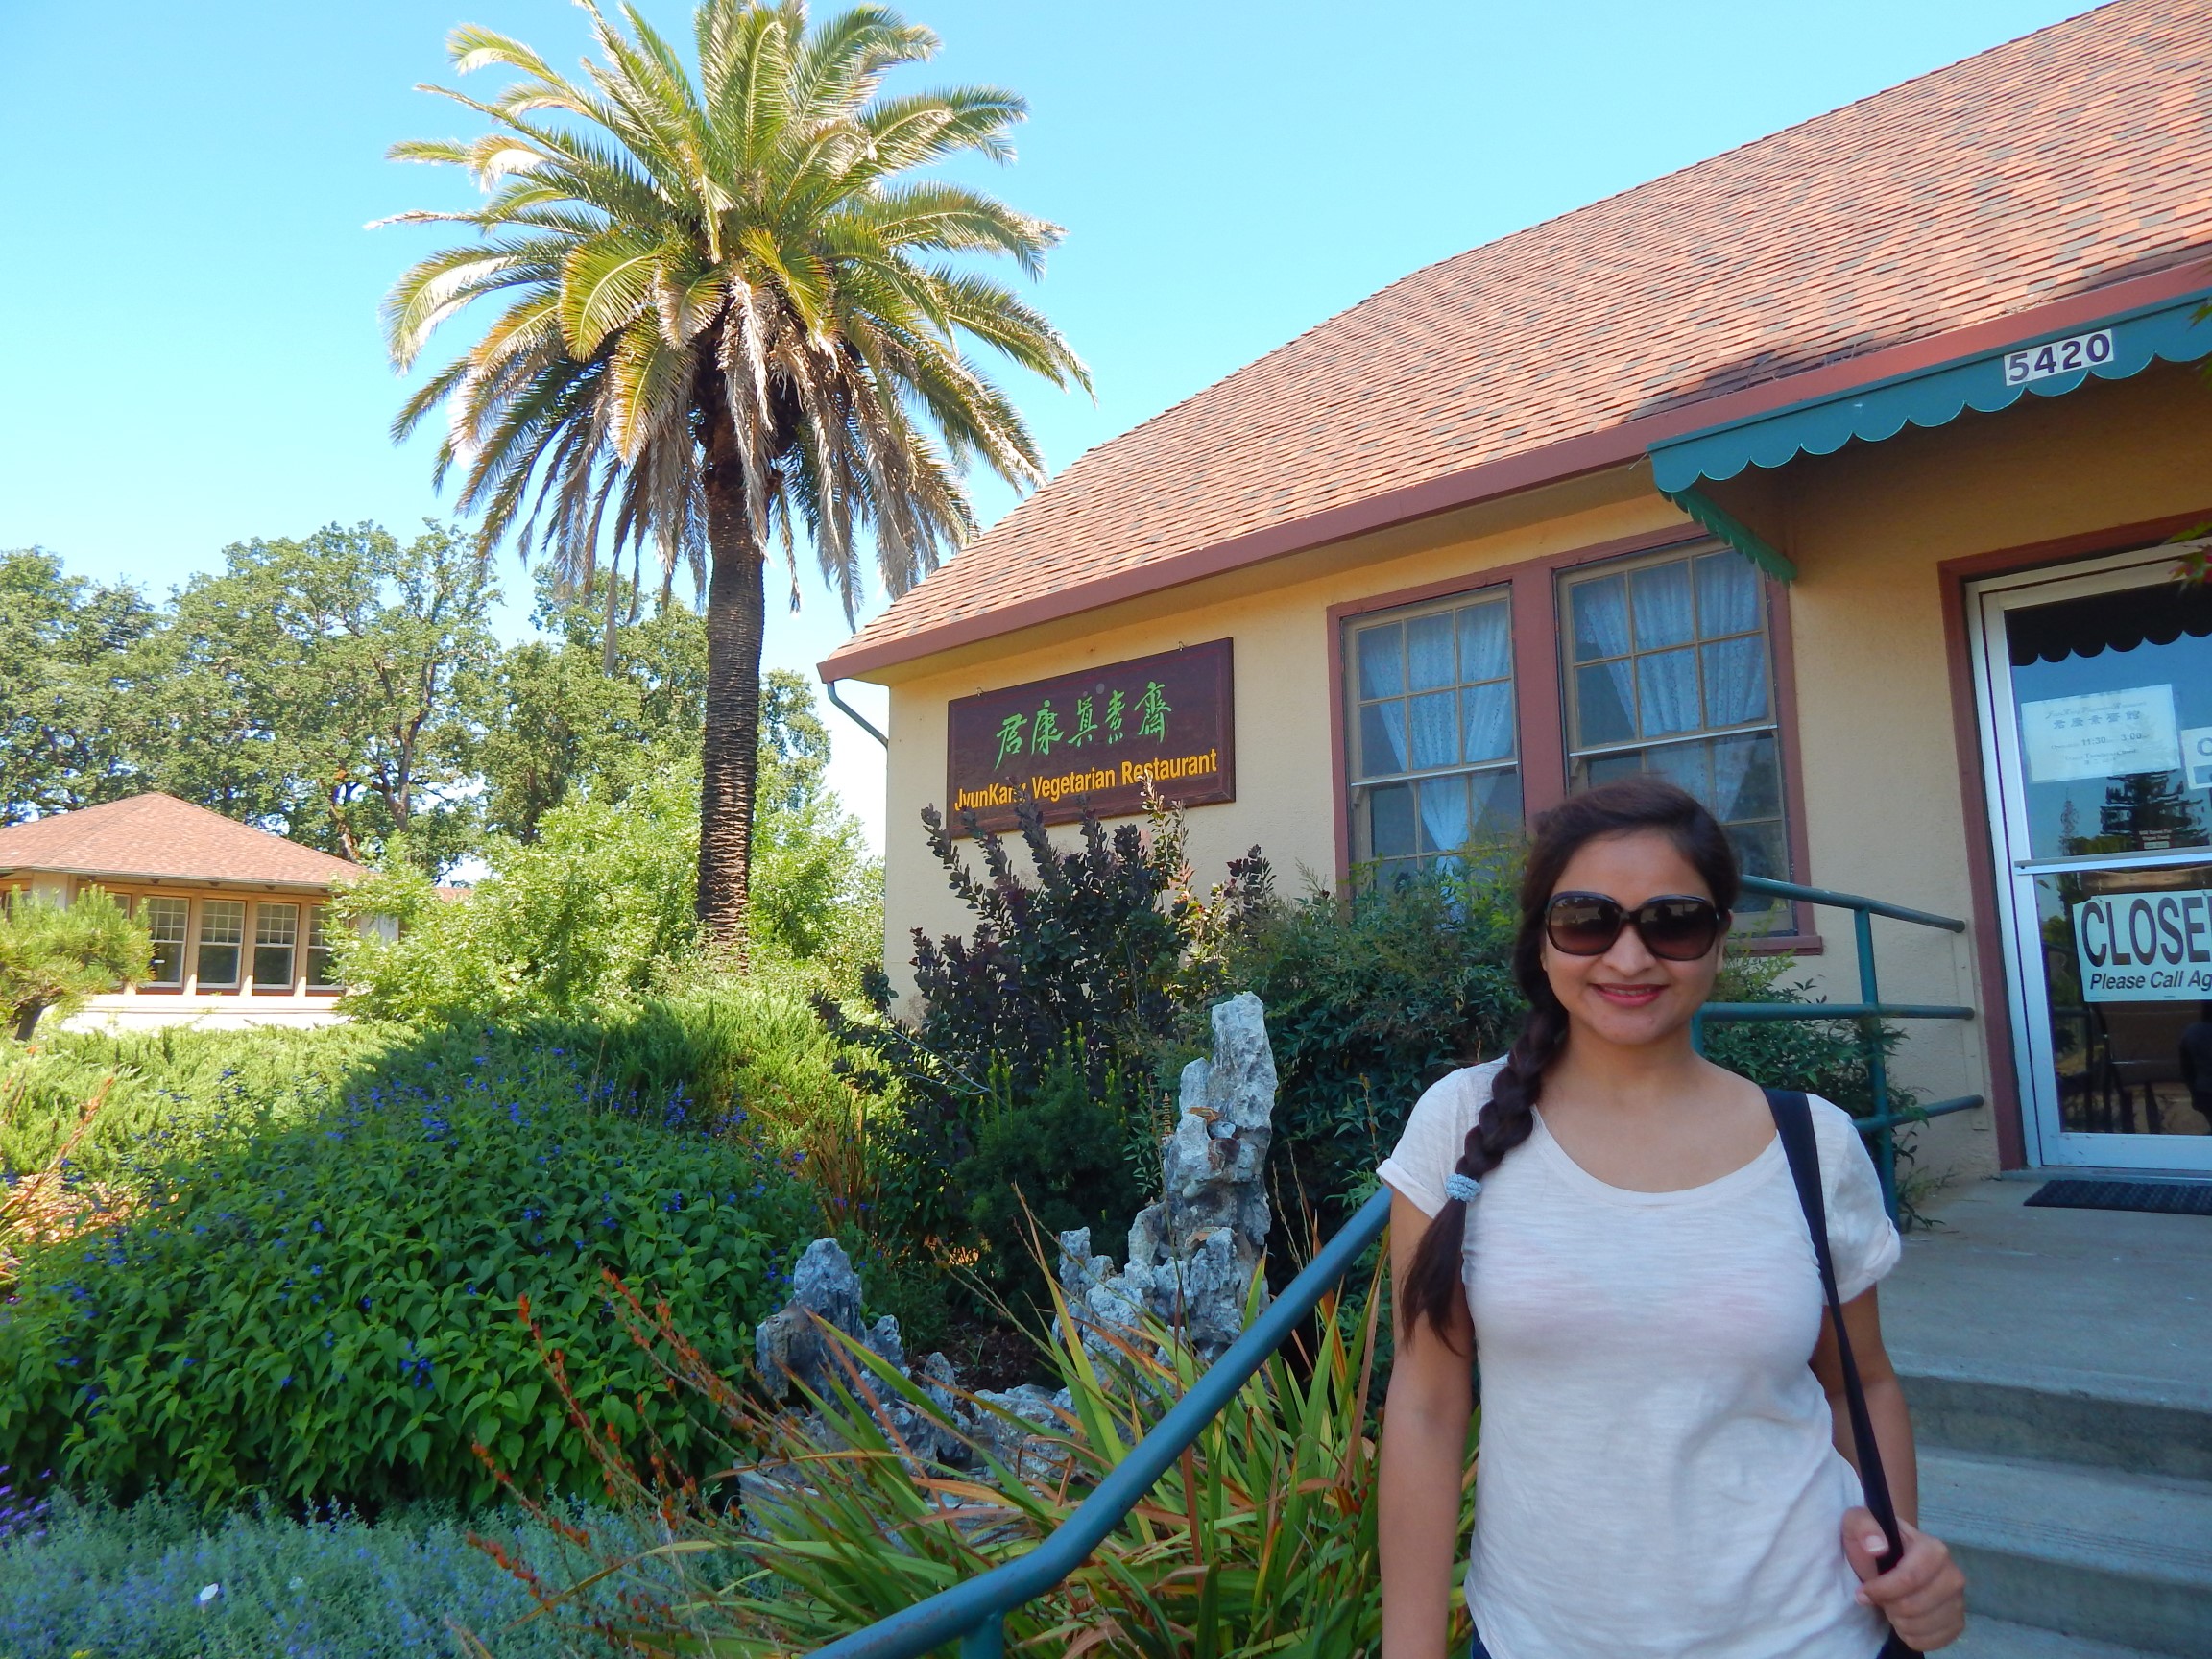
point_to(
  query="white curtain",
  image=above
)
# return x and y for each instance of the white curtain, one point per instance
(1727, 594)
(1667, 693)
(1436, 722)
(1486, 721)
(1486, 642)
(1666, 614)
(1429, 652)
(1735, 680)
(1444, 815)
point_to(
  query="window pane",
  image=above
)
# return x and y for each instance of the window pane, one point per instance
(1428, 651)
(1444, 815)
(1727, 594)
(1486, 721)
(1601, 703)
(322, 959)
(1667, 693)
(1760, 851)
(1685, 765)
(1606, 768)
(275, 933)
(1735, 680)
(1496, 800)
(1486, 641)
(1381, 739)
(1601, 610)
(164, 919)
(1382, 672)
(222, 935)
(1391, 821)
(1664, 614)
(1435, 729)
(1746, 778)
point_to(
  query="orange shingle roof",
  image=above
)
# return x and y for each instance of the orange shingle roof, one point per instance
(159, 836)
(2069, 160)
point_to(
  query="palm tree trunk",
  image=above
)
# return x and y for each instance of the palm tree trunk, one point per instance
(736, 614)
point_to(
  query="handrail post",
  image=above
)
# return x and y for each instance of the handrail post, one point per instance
(987, 1641)
(1877, 1062)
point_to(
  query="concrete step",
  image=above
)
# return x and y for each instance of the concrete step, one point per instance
(2107, 1422)
(2001, 1639)
(2092, 1552)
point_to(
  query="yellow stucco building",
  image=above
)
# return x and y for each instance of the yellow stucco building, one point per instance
(1836, 477)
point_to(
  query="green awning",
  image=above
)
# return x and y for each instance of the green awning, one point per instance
(2111, 350)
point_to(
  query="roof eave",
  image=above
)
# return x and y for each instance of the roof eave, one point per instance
(1623, 443)
(152, 878)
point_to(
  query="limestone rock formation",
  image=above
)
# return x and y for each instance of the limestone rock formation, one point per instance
(1192, 1252)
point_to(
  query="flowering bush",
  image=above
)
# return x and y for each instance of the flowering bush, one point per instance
(326, 1308)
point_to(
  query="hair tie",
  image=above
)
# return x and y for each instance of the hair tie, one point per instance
(1463, 1187)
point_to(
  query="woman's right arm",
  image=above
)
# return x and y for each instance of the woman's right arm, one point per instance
(1424, 1440)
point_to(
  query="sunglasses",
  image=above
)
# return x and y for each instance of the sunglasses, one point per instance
(1677, 927)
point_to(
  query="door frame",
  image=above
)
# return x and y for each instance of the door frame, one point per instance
(1984, 598)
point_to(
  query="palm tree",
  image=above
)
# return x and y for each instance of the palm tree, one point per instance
(728, 306)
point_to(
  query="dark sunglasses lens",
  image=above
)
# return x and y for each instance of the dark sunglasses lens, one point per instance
(1679, 929)
(1583, 923)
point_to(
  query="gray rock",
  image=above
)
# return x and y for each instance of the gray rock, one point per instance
(1193, 1252)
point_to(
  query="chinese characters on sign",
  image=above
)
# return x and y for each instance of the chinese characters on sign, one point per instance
(1096, 737)
(2101, 734)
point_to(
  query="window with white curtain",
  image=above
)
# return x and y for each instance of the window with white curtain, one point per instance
(1670, 670)
(1433, 761)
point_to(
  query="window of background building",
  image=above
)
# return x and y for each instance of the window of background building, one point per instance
(322, 959)
(1433, 759)
(1669, 670)
(275, 939)
(222, 939)
(164, 919)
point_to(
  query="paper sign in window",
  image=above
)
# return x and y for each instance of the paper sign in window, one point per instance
(2197, 756)
(2101, 734)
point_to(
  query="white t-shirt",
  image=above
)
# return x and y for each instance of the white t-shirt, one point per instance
(1658, 1477)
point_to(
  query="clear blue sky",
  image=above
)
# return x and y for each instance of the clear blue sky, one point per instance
(192, 355)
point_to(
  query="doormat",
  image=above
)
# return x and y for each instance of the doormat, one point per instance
(2159, 1198)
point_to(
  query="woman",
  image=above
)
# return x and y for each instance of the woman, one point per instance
(1664, 1443)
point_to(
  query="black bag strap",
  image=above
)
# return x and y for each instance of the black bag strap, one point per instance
(1793, 1125)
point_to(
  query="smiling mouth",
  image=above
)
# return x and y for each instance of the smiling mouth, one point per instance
(1630, 995)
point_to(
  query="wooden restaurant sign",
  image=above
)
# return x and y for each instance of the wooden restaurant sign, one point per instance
(1096, 738)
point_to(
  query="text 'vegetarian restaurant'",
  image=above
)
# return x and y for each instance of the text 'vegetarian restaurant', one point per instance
(1834, 478)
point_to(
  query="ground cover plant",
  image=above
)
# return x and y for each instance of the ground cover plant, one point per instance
(325, 1306)
(161, 1579)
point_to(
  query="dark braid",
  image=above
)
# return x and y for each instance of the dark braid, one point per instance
(1510, 1115)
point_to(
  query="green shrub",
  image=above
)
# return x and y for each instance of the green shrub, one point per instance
(598, 911)
(167, 1081)
(53, 956)
(326, 1308)
(113, 1583)
(1059, 1159)
(1067, 986)
(1372, 995)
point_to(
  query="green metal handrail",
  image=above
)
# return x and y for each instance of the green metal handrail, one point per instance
(975, 1613)
(1869, 1011)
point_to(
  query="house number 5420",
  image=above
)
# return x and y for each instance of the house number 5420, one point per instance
(2058, 357)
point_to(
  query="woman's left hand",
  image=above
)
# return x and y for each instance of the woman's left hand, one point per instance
(1923, 1597)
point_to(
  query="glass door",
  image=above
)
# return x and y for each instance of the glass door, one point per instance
(2096, 689)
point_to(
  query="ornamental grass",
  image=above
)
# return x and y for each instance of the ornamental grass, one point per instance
(1260, 1540)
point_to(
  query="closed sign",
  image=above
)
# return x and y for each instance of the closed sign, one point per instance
(2144, 946)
